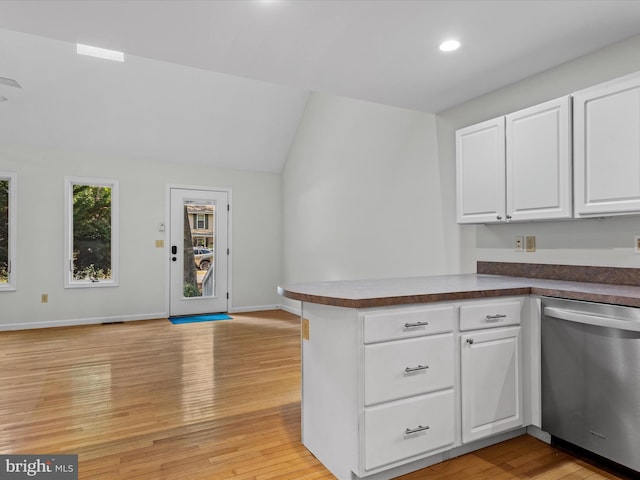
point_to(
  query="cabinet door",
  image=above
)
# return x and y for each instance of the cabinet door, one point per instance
(480, 172)
(491, 382)
(607, 148)
(538, 152)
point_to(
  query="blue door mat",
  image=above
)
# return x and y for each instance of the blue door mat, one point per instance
(211, 317)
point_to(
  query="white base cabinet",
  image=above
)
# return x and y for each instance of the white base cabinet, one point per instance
(491, 382)
(386, 391)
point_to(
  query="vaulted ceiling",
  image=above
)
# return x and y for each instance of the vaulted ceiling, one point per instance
(225, 82)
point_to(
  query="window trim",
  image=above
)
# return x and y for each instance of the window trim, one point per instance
(69, 183)
(12, 283)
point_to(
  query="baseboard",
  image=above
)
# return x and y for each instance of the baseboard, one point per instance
(539, 434)
(259, 308)
(129, 318)
(291, 309)
(81, 321)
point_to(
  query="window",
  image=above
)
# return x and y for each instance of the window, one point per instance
(200, 221)
(91, 223)
(8, 198)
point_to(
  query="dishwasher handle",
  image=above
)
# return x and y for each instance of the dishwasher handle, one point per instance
(590, 319)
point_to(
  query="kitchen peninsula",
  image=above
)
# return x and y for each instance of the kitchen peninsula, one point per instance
(399, 374)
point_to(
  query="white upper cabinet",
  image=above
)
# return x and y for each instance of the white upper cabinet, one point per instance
(480, 172)
(606, 133)
(538, 156)
(516, 167)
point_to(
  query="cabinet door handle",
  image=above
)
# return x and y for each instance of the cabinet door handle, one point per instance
(470, 341)
(416, 369)
(417, 324)
(499, 217)
(410, 431)
(497, 316)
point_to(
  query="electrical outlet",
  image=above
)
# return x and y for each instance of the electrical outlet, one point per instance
(44, 298)
(636, 243)
(159, 243)
(530, 241)
(519, 243)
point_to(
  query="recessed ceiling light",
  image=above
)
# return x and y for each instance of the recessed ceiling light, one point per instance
(449, 45)
(100, 52)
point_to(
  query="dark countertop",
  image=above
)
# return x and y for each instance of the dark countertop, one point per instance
(405, 291)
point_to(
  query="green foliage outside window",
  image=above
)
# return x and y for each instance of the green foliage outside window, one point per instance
(91, 232)
(4, 231)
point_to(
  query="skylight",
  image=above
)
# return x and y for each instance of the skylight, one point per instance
(100, 53)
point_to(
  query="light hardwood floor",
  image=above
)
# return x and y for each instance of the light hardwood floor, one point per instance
(203, 401)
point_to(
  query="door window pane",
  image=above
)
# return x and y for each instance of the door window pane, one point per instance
(92, 249)
(199, 248)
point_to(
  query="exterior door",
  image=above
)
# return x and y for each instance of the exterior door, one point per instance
(198, 251)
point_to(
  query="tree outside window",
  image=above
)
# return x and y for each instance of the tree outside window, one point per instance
(91, 230)
(8, 241)
(4, 231)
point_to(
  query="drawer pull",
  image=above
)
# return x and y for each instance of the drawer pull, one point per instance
(420, 428)
(493, 318)
(417, 324)
(416, 369)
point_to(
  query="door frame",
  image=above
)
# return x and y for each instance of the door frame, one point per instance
(166, 228)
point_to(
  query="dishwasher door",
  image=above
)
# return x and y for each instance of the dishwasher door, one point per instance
(591, 377)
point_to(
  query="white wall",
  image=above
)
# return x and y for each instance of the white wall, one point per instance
(605, 242)
(362, 194)
(256, 237)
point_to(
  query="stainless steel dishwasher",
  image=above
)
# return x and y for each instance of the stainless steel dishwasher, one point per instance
(591, 377)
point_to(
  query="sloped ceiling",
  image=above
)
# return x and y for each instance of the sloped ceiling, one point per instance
(225, 82)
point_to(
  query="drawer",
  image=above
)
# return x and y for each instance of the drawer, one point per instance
(399, 323)
(406, 428)
(490, 314)
(395, 370)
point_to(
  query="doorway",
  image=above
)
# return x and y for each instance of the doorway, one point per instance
(198, 251)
